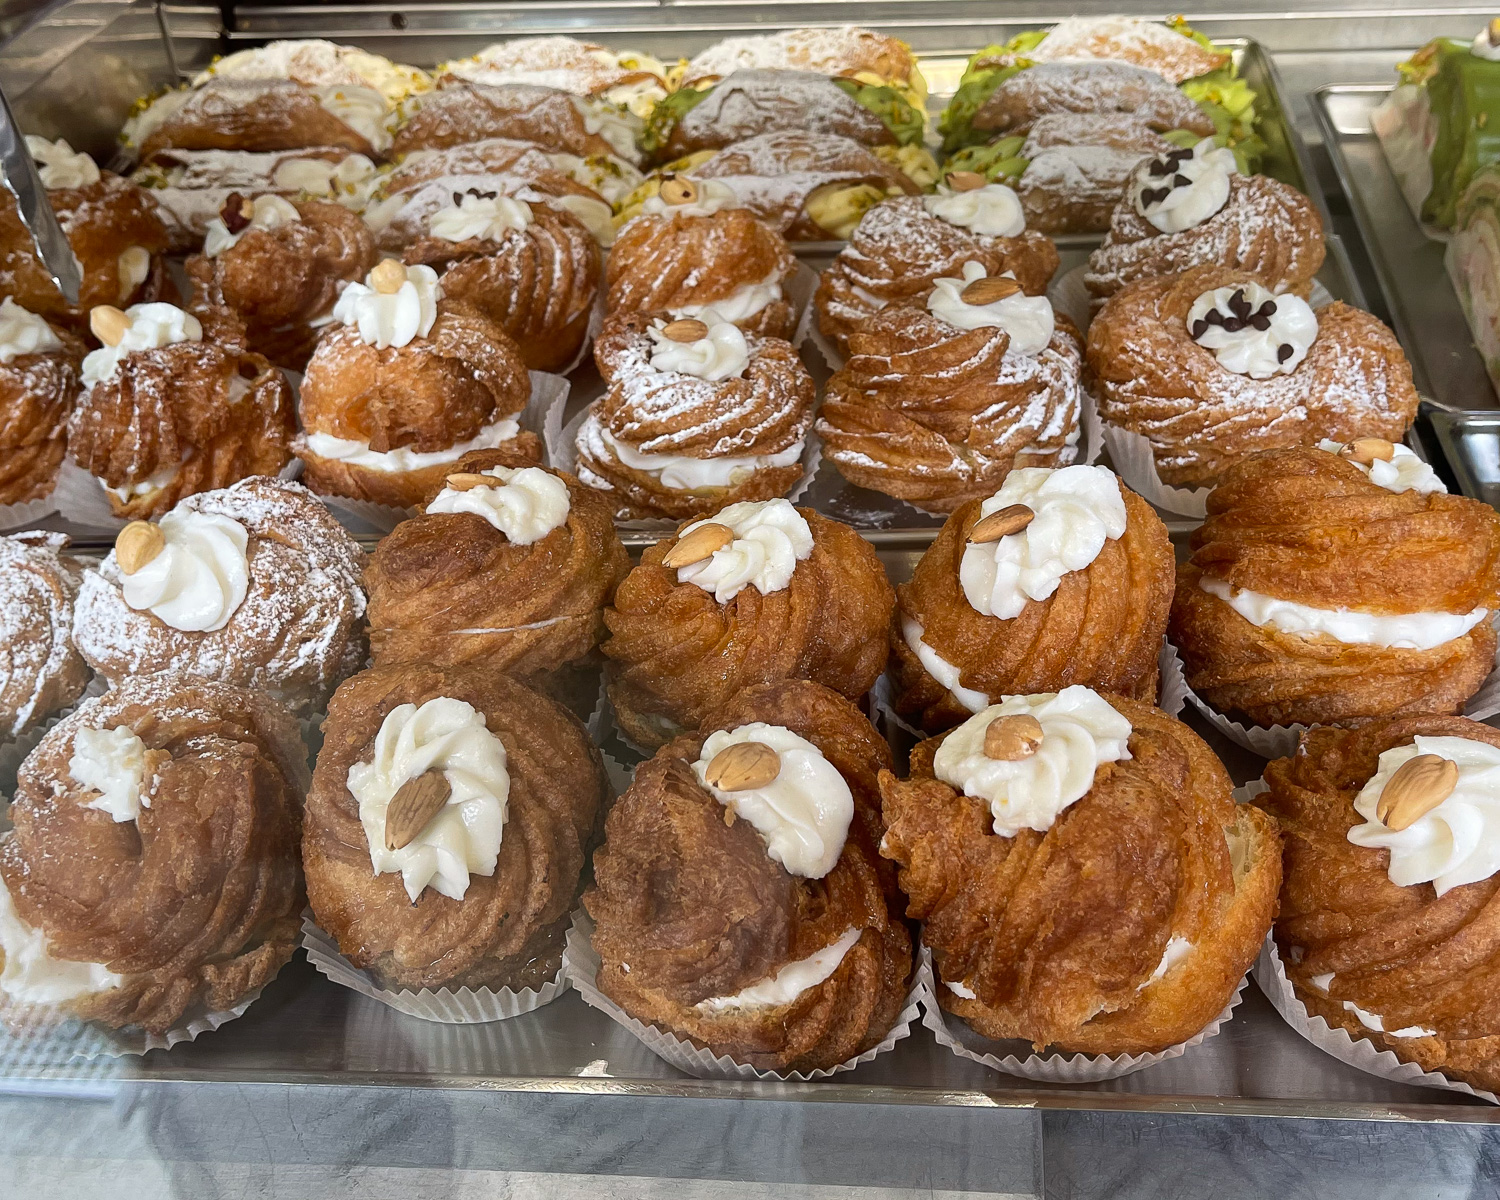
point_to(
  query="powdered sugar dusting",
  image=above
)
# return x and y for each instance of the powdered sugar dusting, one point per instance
(40, 671)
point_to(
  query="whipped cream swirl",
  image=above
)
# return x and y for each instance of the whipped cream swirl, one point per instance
(1183, 188)
(993, 210)
(151, 326)
(111, 762)
(787, 984)
(803, 814)
(23, 332)
(266, 212)
(1457, 842)
(1405, 472)
(524, 504)
(1077, 510)
(31, 975)
(1027, 319)
(387, 319)
(59, 165)
(200, 578)
(770, 538)
(1252, 331)
(488, 216)
(463, 839)
(721, 354)
(1080, 731)
(713, 196)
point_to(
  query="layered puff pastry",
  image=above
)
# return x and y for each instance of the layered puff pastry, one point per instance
(760, 592)
(509, 567)
(255, 585)
(40, 366)
(531, 268)
(129, 900)
(173, 405)
(902, 246)
(448, 825)
(691, 249)
(281, 267)
(1390, 884)
(740, 901)
(695, 415)
(1190, 208)
(41, 670)
(1083, 878)
(112, 226)
(1061, 577)
(941, 397)
(1209, 366)
(1322, 589)
(402, 385)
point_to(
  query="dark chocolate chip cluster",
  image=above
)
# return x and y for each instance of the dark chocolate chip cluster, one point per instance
(1167, 165)
(458, 197)
(1241, 316)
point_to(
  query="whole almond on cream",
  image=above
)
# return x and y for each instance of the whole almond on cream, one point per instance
(415, 803)
(698, 544)
(676, 190)
(388, 276)
(1368, 450)
(742, 767)
(988, 291)
(689, 329)
(466, 481)
(1417, 787)
(108, 323)
(138, 544)
(1012, 738)
(1001, 523)
(965, 181)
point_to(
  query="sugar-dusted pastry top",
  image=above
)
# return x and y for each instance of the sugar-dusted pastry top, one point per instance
(41, 670)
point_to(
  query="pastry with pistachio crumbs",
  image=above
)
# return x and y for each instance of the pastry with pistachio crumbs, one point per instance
(848, 52)
(1083, 877)
(628, 81)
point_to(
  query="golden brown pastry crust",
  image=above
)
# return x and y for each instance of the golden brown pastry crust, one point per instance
(449, 589)
(461, 111)
(279, 280)
(1103, 626)
(1265, 228)
(431, 394)
(1153, 379)
(197, 905)
(1059, 933)
(1100, 88)
(1404, 953)
(41, 670)
(175, 408)
(660, 263)
(37, 393)
(1308, 527)
(508, 929)
(845, 51)
(899, 248)
(505, 157)
(678, 653)
(538, 284)
(1078, 165)
(765, 412)
(937, 416)
(253, 114)
(698, 909)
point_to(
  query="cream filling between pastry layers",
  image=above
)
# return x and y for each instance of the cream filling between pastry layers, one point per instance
(403, 458)
(684, 473)
(31, 975)
(788, 983)
(940, 668)
(1404, 631)
(1405, 472)
(741, 304)
(1368, 1019)
(1177, 949)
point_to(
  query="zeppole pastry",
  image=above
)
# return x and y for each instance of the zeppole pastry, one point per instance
(740, 902)
(41, 670)
(1082, 875)
(152, 875)
(904, 245)
(509, 567)
(941, 398)
(695, 415)
(255, 585)
(403, 384)
(625, 79)
(172, 405)
(1337, 585)
(530, 268)
(39, 382)
(281, 267)
(1390, 872)
(1189, 208)
(1209, 366)
(759, 593)
(112, 226)
(1061, 577)
(447, 827)
(693, 249)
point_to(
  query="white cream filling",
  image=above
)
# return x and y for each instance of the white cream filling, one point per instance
(788, 983)
(111, 762)
(740, 305)
(684, 473)
(404, 458)
(1405, 472)
(940, 668)
(31, 975)
(770, 538)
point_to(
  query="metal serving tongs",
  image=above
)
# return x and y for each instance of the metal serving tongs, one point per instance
(20, 176)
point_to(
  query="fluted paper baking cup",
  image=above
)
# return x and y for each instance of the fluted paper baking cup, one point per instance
(466, 1006)
(1013, 1058)
(1136, 464)
(1071, 297)
(1247, 792)
(799, 290)
(1360, 1053)
(80, 497)
(581, 964)
(549, 393)
(1172, 687)
(90, 1039)
(28, 512)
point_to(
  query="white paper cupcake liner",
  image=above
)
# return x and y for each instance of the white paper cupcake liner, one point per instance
(1172, 688)
(826, 349)
(1360, 1053)
(1016, 1058)
(466, 1006)
(1135, 463)
(28, 512)
(1247, 792)
(581, 964)
(89, 1039)
(799, 290)
(81, 499)
(549, 394)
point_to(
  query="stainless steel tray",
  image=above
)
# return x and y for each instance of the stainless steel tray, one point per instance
(1471, 443)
